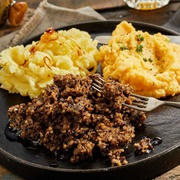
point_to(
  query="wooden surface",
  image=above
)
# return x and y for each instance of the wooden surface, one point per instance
(112, 10)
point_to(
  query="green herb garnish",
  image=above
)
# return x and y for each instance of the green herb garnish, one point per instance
(140, 37)
(124, 48)
(139, 48)
(149, 59)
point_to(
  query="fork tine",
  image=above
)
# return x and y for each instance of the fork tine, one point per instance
(97, 87)
(138, 100)
(98, 84)
(143, 105)
(136, 107)
(138, 104)
(139, 96)
(101, 82)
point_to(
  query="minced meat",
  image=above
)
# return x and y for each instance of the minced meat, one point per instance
(72, 116)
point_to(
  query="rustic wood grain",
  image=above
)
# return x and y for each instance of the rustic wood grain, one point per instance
(8, 175)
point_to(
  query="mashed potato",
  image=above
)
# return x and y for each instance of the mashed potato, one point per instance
(28, 69)
(149, 63)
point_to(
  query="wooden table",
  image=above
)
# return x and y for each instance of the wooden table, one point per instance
(111, 10)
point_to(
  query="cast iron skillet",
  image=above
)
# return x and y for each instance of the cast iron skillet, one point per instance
(163, 122)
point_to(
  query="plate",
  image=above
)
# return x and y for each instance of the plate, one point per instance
(163, 122)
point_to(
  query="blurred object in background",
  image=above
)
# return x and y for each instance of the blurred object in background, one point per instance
(12, 11)
(146, 4)
(4, 11)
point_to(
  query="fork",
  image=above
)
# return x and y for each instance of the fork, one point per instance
(141, 103)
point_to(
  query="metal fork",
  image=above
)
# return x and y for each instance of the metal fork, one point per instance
(141, 103)
(147, 104)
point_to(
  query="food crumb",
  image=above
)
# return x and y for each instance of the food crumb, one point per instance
(144, 146)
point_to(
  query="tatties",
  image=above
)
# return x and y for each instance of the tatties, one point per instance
(28, 69)
(149, 63)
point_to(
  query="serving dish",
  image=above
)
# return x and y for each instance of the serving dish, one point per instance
(39, 163)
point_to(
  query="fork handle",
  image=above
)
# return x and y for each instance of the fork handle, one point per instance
(173, 104)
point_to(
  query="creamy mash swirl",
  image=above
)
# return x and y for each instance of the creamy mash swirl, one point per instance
(149, 63)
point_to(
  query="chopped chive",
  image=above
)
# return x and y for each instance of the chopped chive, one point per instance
(123, 48)
(140, 37)
(149, 59)
(139, 48)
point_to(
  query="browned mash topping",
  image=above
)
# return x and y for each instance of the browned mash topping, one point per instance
(72, 116)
